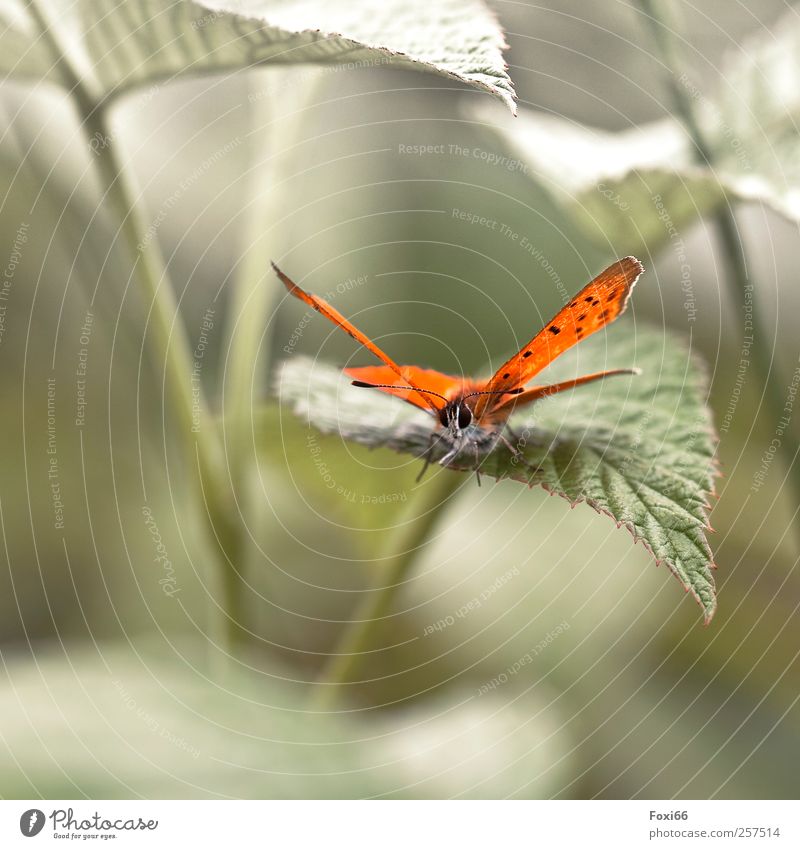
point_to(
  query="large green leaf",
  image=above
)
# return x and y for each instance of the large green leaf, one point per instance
(115, 46)
(638, 189)
(629, 192)
(115, 721)
(640, 448)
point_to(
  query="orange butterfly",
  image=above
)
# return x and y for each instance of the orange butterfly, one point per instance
(471, 414)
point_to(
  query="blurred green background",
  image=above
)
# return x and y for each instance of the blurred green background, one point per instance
(111, 687)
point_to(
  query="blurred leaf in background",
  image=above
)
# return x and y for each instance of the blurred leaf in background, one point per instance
(639, 188)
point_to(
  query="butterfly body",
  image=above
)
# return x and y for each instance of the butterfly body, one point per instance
(459, 428)
(471, 414)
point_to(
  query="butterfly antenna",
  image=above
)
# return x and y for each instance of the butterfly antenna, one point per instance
(497, 392)
(365, 385)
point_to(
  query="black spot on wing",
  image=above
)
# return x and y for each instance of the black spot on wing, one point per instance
(554, 330)
(527, 354)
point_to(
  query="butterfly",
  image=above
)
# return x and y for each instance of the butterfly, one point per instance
(471, 414)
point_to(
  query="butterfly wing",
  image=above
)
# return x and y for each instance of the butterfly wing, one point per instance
(324, 308)
(504, 410)
(442, 384)
(597, 304)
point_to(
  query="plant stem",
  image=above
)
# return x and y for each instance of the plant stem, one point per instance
(725, 224)
(252, 296)
(253, 299)
(669, 54)
(404, 550)
(166, 328)
(202, 444)
(172, 348)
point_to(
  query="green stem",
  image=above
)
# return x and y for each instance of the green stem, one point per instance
(775, 389)
(405, 549)
(165, 327)
(203, 447)
(725, 223)
(172, 347)
(254, 298)
(669, 54)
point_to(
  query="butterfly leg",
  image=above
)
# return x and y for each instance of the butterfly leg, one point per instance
(424, 468)
(517, 454)
(451, 455)
(427, 455)
(514, 435)
(434, 439)
(477, 463)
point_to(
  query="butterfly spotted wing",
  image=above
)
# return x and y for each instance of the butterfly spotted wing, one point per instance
(597, 304)
(420, 398)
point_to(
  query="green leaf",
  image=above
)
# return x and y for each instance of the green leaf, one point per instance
(629, 192)
(146, 720)
(640, 448)
(115, 46)
(639, 189)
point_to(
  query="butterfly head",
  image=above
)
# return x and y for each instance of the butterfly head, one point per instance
(456, 415)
